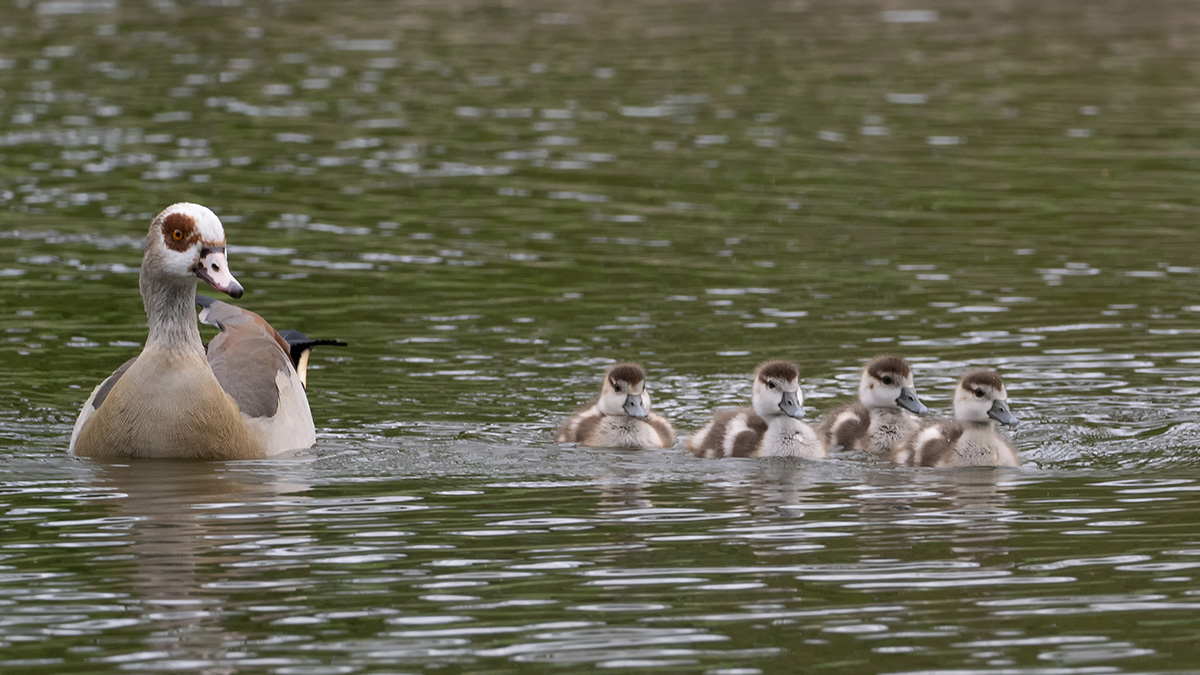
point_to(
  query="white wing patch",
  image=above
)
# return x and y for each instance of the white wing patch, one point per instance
(924, 438)
(736, 426)
(845, 416)
(292, 426)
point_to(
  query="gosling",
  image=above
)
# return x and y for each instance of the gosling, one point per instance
(971, 438)
(884, 415)
(770, 428)
(620, 416)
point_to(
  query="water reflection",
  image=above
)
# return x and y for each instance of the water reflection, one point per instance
(573, 562)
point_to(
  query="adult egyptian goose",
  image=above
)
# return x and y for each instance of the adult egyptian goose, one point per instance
(620, 416)
(971, 438)
(771, 427)
(241, 399)
(884, 415)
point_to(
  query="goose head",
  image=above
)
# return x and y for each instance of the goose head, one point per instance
(624, 392)
(187, 242)
(887, 382)
(777, 390)
(980, 398)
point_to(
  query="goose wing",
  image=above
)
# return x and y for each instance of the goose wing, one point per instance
(250, 359)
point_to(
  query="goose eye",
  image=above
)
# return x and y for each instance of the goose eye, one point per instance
(177, 235)
(978, 393)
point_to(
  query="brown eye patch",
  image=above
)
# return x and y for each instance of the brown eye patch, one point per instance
(179, 231)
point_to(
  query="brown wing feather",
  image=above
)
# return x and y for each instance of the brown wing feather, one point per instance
(747, 443)
(247, 357)
(107, 385)
(846, 433)
(712, 444)
(584, 428)
(666, 433)
(931, 452)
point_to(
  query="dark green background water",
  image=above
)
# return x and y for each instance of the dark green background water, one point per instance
(493, 200)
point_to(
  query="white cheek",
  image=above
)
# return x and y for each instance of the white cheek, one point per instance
(979, 409)
(180, 263)
(766, 401)
(612, 403)
(880, 397)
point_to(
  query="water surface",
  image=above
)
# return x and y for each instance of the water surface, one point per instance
(493, 201)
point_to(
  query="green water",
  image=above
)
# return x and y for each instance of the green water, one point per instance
(491, 201)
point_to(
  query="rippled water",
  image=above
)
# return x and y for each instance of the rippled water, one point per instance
(490, 202)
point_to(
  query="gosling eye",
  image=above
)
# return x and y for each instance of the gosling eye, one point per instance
(887, 380)
(619, 389)
(978, 393)
(770, 385)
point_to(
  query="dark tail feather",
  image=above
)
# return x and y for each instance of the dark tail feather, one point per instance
(298, 343)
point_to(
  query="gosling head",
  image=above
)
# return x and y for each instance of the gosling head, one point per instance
(624, 392)
(777, 390)
(887, 382)
(186, 242)
(980, 398)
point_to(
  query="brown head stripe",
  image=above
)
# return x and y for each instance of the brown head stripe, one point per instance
(884, 365)
(982, 378)
(778, 370)
(187, 228)
(629, 373)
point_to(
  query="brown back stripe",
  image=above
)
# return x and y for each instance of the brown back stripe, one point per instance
(982, 378)
(629, 373)
(882, 365)
(935, 449)
(853, 428)
(586, 427)
(666, 435)
(779, 370)
(746, 443)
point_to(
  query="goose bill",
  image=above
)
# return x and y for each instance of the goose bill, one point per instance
(213, 269)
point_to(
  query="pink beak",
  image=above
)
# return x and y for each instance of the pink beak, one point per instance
(213, 268)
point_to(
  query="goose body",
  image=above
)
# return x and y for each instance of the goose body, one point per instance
(971, 438)
(620, 416)
(771, 427)
(883, 416)
(239, 398)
